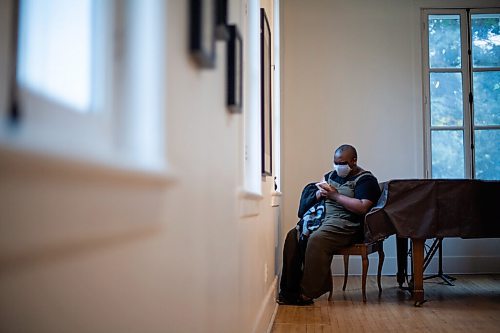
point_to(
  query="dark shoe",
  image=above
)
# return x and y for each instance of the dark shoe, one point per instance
(304, 300)
(300, 302)
(286, 301)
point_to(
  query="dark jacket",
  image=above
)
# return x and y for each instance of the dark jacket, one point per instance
(308, 197)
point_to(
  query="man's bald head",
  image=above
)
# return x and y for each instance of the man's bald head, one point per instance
(347, 151)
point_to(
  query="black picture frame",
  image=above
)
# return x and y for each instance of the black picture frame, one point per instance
(234, 70)
(14, 110)
(202, 24)
(221, 28)
(266, 94)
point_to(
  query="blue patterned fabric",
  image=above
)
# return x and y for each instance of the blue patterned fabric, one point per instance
(311, 220)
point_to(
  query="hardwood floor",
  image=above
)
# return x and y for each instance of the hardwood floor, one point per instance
(472, 305)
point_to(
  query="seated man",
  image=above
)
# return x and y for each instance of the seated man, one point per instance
(349, 192)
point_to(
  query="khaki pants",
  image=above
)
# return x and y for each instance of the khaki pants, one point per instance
(317, 275)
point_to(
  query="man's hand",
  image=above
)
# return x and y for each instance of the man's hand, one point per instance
(320, 194)
(328, 191)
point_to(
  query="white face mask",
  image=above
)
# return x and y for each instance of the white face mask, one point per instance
(342, 170)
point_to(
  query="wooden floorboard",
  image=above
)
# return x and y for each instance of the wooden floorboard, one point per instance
(472, 305)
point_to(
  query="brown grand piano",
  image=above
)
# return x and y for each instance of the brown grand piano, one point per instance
(420, 209)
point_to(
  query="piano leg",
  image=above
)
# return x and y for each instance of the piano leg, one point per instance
(402, 257)
(418, 271)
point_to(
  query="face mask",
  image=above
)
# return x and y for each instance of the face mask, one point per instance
(342, 170)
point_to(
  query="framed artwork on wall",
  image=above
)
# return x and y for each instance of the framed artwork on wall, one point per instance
(202, 23)
(221, 29)
(234, 70)
(14, 112)
(266, 103)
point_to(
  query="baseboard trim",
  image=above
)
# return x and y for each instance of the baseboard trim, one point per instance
(271, 322)
(267, 310)
(451, 265)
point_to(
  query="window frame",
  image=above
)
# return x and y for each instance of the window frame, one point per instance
(466, 69)
(473, 70)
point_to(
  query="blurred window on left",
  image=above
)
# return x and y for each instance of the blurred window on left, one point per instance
(64, 78)
(88, 81)
(56, 49)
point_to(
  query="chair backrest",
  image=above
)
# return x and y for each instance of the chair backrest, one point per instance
(366, 233)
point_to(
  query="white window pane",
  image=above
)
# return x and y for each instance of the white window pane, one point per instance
(487, 154)
(486, 98)
(486, 40)
(447, 154)
(444, 41)
(446, 99)
(55, 50)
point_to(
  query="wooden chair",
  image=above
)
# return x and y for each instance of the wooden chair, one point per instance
(362, 249)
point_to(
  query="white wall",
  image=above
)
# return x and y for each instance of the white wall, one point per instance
(86, 249)
(351, 74)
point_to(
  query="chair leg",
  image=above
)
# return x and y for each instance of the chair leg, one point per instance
(381, 257)
(331, 290)
(346, 270)
(365, 272)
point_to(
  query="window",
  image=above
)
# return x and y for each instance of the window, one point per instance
(64, 77)
(90, 82)
(251, 102)
(461, 62)
(46, 64)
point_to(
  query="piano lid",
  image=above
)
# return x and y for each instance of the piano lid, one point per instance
(428, 208)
